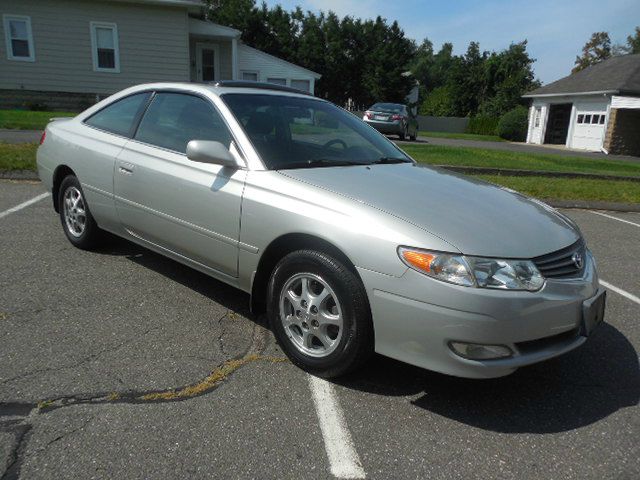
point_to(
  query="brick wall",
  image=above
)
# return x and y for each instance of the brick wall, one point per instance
(623, 132)
(51, 101)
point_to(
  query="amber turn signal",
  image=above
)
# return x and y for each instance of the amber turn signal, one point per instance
(420, 260)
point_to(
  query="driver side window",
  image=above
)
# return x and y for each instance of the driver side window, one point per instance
(174, 119)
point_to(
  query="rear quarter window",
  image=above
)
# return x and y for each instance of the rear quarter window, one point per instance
(120, 116)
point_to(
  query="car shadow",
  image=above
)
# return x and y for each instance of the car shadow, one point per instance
(571, 391)
(215, 290)
(562, 394)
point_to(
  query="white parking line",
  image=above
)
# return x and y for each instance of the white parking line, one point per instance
(620, 291)
(343, 458)
(615, 218)
(24, 205)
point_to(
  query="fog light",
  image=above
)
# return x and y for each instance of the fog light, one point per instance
(474, 351)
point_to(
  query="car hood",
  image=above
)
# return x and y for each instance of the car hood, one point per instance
(476, 217)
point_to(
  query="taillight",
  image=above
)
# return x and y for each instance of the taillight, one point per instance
(368, 114)
(396, 117)
(44, 135)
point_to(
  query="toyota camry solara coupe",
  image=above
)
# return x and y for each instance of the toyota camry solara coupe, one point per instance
(347, 243)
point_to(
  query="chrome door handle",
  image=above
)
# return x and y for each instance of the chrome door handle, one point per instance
(125, 168)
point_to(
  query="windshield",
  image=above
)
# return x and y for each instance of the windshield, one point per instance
(294, 132)
(387, 107)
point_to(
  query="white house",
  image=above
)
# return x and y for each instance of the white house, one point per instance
(596, 109)
(66, 54)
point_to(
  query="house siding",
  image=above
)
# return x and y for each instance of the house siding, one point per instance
(153, 43)
(250, 59)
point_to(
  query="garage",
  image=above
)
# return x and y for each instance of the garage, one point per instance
(577, 111)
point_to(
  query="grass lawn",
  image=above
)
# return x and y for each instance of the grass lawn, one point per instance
(28, 120)
(480, 157)
(18, 157)
(463, 136)
(23, 157)
(570, 189)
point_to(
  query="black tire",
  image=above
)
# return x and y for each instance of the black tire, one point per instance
(403, 135)
(91, 235)
(356, 343)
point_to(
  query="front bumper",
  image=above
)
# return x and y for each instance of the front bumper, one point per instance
(416, 317)
(394, 127)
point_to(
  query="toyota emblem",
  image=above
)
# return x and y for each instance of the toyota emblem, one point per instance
(577, 260)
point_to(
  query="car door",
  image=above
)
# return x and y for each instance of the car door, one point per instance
(96, 146)
(162, 197)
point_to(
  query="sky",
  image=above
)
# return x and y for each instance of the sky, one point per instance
(555, 29)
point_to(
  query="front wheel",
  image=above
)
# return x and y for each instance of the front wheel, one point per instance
(77, 222)
(319, 314)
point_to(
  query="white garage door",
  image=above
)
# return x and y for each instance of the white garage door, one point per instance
(589, 127)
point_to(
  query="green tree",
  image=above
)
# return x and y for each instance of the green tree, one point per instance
(633, 42)
(597, 49)
(389, 54)
(466, 81)
(508, 75)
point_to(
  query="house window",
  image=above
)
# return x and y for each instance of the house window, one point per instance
(18, 38)
(104, 46)
(277, 81)
(581, 118)
(304, 85)
(595, 119)
(587, 119)
(537, 116)
(250, 76)
(601, 119)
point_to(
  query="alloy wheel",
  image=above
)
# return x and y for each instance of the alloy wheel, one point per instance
(311, 314)
(74, 209)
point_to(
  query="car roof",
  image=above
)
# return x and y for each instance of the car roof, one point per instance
(223, 87)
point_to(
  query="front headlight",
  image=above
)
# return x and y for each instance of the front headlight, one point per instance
(474, 271)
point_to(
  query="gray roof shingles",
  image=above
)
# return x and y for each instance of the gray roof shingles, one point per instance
(618, 74)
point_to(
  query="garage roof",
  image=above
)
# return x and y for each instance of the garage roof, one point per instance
(620, 75)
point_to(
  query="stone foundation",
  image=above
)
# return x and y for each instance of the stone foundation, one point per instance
(50, 101)
(623, 132)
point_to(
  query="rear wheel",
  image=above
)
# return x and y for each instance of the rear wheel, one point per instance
(77, 222)
(404, 133)
(319, 313)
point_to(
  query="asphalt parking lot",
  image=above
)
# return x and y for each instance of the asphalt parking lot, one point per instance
(121, 363)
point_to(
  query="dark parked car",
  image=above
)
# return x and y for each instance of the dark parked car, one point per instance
(392, 118)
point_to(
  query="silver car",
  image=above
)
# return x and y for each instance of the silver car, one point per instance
(348, 244)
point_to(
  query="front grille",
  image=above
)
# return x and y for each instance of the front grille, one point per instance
(561, 264)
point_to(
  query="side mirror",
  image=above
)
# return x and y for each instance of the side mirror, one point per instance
(207, 151)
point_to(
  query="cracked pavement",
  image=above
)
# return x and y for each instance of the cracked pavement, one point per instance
(86, 337)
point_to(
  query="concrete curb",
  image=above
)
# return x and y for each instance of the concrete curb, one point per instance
(594, 205)
(534, 173)
(28, 175)
(19, 175)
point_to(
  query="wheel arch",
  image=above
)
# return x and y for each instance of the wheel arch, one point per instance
(281, 247)
(60, 173)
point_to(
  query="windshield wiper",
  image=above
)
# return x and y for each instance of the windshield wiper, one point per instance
(389, 160)
(318, 163)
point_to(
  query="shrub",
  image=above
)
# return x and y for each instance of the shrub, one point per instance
(513, 125)
(482, 125)
(437, 103)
